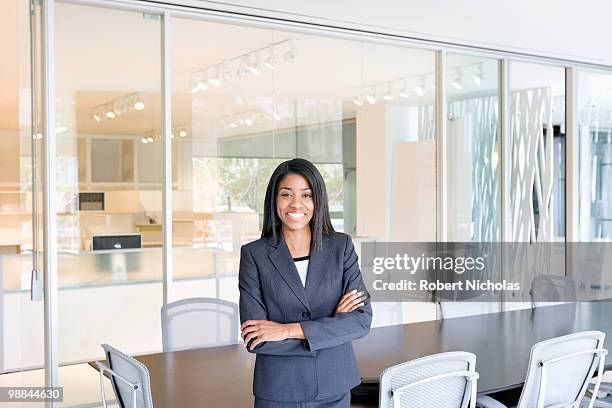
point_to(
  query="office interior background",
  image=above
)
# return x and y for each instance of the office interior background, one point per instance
(441, 134)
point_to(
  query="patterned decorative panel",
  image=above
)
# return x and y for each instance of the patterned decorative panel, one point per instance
(531, 165)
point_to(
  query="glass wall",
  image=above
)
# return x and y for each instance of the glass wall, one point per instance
(595, 155)
(537, 144)
(108, 85)
(472, 149)
(21, 320)
(259, 97)
(537, 171)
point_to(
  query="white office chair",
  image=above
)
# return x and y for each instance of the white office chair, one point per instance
(547, 290)
(552, 289)
(559, 372)
(445, 380)
(129, 378)
(199, 322)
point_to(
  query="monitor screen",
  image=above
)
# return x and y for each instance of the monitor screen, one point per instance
(105, 242)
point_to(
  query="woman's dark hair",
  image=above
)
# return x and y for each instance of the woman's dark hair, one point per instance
(320, 223)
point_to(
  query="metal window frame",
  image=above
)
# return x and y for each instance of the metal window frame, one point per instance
(51, 323)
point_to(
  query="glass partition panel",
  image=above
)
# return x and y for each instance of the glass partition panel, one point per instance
(21, 319)
(472, 144)
(473, 165)
(108, 83)
(257, 97)
(595, 156)
(537, 169)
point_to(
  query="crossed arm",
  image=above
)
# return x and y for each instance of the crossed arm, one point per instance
(351, 319)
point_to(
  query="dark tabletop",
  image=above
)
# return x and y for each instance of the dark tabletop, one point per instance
(222, 376)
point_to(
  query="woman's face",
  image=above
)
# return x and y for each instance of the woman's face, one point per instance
(294, 204)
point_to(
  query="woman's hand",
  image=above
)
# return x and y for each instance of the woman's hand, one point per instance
(350, 301)
(266, 330)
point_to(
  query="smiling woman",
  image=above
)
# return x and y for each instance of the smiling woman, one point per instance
(290, 310)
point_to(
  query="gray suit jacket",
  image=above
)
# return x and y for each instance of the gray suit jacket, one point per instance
(324, 364)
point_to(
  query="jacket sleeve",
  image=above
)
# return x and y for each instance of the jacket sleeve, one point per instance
(342, 327)
(252, 307)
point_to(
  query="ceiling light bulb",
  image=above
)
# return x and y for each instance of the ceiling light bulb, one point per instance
(270, 62)
(97, 117)
(404, 91)
(59, 129)
(227, 71)
(371, 96)
(291, 54)
(419, 89)
(358, 101)
(139, 105)
(477, 77)
(110, 114)
(255, 68)
(248, 121)
(215, 80)
(144, 140)
(182, 133)
(150, 139)
(389, 95)
(456, 82)
(233, 125)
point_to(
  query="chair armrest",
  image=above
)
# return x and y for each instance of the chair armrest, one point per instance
(484, 401)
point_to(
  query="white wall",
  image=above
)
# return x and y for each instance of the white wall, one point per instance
(560, 28)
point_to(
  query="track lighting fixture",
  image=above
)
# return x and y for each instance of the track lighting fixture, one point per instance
(215, 79)
(291, 54)
(118, 106)
(456, 82)
(271, 62)
(477, 77)
(371, 96)
(419, 89)
(253, 62)
(404, 90)
(255, 67)
(389, 95)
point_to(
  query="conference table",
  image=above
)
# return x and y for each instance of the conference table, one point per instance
(222, 376)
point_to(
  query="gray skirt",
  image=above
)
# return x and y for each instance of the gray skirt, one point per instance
(337, 401)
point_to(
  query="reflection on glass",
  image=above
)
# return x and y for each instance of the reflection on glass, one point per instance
(595, 157)
(264, 97)
(472, 155)
(108, 183)
(537, 167)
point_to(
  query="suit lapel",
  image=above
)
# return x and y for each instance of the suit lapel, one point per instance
(317, 267)
(283, 262)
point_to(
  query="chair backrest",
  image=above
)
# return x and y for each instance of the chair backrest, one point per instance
(560, 370)
(199, 322)
(445, 380)
(129, 378)
(552, 289)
